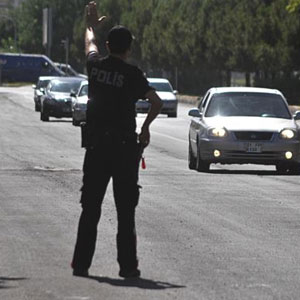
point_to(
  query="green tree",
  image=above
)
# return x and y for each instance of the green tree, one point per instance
(202, 41)
(66, 14)
(218, 27)
(293, 5)
(137, 17)
(276, 49)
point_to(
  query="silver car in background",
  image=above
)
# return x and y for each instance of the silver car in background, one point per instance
(39, 89)
(69, 71)
(56, 100)
(239, 125)
(165, 91)
(79, 104)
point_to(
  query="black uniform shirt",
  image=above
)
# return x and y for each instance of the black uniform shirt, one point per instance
(114, 88)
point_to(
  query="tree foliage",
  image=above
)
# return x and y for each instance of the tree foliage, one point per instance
(293, 5)
(203, 41)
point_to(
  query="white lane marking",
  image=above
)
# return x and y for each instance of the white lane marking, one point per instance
(170, 137)
(77, 298)
(53, 169)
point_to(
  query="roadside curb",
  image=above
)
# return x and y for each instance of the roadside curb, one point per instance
(294, 108)
(192, 100)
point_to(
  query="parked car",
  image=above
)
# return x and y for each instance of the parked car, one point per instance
(39, 88)
(27, 67)
(244, 125)
(79, 103)
(57, 100)
(165, 91)
(69, 71)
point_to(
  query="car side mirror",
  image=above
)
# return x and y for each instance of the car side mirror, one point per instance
(175, 92)
(297, 115)
(72, 94)
(194, 112)
(34, 86)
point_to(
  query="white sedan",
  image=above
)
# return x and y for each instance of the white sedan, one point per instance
(238, 125)
(165, 91)
(79, 104)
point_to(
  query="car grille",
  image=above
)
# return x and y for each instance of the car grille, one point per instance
(64, 104)
(246, 155)
(253, 135)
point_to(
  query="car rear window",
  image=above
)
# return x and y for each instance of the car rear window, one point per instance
(44, 83)
(161, 86)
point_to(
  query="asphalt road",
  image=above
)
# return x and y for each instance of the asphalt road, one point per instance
(232, 233)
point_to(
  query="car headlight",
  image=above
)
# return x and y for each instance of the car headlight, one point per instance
(217, 132)
(287, 134)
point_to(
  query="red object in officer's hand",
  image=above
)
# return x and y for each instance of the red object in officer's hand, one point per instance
(143, 163)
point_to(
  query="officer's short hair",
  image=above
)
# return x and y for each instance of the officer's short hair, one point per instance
(119, 39)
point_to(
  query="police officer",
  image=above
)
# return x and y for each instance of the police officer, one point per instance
(113, 148)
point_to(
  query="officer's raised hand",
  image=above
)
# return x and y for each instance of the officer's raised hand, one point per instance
(91, 14)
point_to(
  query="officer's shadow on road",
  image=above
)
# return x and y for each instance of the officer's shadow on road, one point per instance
(141, 283)
(5, 280)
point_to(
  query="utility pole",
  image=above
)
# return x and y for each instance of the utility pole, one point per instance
(66, 45)
(176, 78)
(47, 30)
(2, 63)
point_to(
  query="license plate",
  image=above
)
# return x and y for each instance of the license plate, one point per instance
(253, 147)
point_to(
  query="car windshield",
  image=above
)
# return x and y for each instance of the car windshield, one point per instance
(84, 90)
(64, 87)
(44, 83)
(69, 70)
(247, 104)
(161, 86)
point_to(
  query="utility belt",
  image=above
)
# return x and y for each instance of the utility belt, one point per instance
(93, 138)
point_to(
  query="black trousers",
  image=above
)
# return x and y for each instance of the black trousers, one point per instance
(115, 157)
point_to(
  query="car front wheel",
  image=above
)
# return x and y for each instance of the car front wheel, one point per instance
(37, 107)
(192, 159)
(44, 117)
(75, 122)
(172, 115)
(201, 165)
